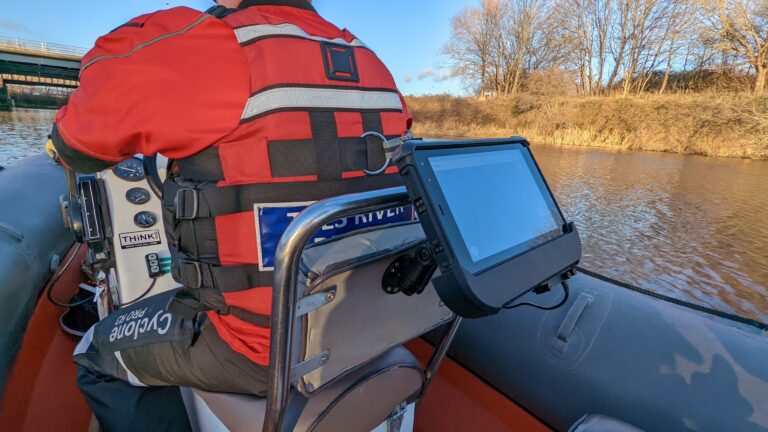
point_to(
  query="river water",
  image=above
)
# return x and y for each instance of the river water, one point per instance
(691, 227)
(686, 226)
(23, 133)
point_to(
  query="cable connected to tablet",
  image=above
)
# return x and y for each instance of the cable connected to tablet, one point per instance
(566, 293)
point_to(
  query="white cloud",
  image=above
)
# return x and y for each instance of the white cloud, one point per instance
(408, 78)
(427, 73)
(443, 75)
(437, 76)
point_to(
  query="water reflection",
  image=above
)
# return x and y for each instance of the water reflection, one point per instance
(23, 133)
(686, 226)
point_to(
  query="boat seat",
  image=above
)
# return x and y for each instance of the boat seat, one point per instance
(348, 369)
(361, 321)
(601, 423)
(359, 401)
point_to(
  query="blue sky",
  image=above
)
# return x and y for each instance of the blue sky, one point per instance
(406, 34)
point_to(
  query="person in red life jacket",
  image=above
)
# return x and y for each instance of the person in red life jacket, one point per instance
(259, 101)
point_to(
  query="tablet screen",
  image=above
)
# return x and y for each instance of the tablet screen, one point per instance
(498, 200)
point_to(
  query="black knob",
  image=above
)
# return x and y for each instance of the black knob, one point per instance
(145, 219)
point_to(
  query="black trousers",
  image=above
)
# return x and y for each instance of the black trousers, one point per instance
(120, 406)
(132, 363)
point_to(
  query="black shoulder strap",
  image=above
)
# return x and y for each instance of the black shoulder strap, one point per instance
(219, 11)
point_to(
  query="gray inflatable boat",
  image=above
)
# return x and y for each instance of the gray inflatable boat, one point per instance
(32, 241)
(616, 351)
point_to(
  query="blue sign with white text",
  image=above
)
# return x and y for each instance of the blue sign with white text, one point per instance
(273, 219)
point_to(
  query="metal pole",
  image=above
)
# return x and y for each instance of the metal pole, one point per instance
(441, 350)
(6, 103)
(287, 260)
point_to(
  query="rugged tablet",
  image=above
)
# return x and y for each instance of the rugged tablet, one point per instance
(492, 222)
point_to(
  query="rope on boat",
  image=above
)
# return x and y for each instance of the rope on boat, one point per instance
(733, 317)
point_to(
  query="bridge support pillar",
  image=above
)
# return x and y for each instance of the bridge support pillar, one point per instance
(5, 99)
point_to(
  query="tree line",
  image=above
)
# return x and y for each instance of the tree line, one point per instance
(501, 47)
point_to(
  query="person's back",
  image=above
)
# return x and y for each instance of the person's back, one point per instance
(314, 90)
(261, 105)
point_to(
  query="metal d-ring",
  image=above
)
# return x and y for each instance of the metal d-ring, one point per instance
(384, 143)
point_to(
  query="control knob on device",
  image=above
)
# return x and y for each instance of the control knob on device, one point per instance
(145, 219)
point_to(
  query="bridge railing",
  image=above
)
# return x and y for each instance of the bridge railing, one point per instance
(41, 47)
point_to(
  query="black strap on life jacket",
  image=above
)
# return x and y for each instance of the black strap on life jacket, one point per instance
(204, 166)
(191, 203)
(196, 275)
(326, 145)
(325, 155)
(375, 156)
(294, 158)
(301, 4)
(187, 303)
(259, 320)
(219, 11)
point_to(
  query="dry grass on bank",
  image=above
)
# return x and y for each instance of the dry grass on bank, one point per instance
(731, 125)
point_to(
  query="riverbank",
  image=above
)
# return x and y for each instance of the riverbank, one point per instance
(31, 101)
(728, 125)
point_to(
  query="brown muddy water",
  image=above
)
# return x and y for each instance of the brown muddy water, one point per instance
(690, 227)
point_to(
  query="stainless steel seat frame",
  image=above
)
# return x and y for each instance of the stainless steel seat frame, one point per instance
(286, 276)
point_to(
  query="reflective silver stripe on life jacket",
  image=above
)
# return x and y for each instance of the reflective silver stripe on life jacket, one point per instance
(295, 98)
(252, 33)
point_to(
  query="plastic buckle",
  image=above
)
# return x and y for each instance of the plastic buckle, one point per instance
(180, 202)
(224, 310)
(185, 266)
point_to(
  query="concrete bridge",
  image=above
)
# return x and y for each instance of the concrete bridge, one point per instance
(37, 64)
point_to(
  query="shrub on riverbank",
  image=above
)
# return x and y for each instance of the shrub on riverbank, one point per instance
(731, 125)
(21, 100)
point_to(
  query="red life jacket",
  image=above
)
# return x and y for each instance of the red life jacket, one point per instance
(315, 89)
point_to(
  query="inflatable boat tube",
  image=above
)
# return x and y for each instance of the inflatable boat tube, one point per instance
(32, 238)
(617, 352)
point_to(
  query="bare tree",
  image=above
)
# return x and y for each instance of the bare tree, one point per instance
(682, 38)
(650, 27)
(741, 27)
(525, 22)
(495, 45)
(602, 15)
(572, 16)
(607, 45)
(469, 51)
(600, 31)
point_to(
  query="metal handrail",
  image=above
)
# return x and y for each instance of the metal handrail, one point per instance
(41, 46)
(287, 260)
